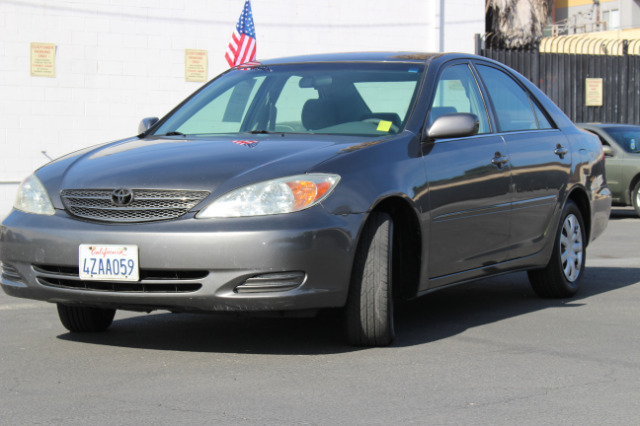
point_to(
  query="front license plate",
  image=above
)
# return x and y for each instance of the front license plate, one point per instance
(109, 262)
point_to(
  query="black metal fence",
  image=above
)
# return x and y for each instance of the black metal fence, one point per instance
(562, 76)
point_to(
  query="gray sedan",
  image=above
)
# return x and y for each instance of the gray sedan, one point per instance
(351, 181)
(621, 143)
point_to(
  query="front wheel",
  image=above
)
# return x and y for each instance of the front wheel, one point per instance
(369, 310)
(635, 198)
(84, 318)
(563, 274)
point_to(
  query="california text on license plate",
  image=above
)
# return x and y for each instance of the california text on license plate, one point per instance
(109, 262)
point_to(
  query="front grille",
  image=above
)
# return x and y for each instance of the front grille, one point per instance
(147, 205)
(151, 280)
(117, 286)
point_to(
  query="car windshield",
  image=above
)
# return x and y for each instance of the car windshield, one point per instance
(330, 98)
(627, 137)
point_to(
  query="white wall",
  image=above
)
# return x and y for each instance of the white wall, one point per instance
(120, 60)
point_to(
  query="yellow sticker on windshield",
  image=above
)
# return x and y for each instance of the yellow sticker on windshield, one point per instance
(384, 126)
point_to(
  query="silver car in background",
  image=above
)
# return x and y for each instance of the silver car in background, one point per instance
(351, 181)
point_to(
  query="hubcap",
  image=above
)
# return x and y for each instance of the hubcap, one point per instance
(571, 248)
(638, 199)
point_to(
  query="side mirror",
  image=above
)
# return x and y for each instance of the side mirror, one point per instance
(146, 124)
(453, 126)
(608, 152)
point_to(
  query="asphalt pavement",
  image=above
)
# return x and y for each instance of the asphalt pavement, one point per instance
(485, 353)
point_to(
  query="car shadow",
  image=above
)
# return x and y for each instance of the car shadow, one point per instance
(442, 314)
(452, 311)
(618, 213)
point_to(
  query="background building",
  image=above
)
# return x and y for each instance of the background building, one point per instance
(564, 47)
(117, 61)
(583, 16)
(517, 23)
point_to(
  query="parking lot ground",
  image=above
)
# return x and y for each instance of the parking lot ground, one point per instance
(485, 353)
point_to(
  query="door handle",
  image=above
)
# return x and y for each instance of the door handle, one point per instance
(499, 160)
(561, 151)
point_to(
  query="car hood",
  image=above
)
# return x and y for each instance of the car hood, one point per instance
(214, 164)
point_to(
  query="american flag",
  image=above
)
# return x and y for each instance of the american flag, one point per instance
(242, 47)
(248, 144)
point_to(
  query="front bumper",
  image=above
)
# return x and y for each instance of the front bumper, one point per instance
(188, 264)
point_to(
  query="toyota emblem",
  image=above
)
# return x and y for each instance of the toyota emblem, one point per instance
(122, 197)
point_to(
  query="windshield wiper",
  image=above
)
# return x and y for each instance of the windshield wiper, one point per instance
(260, 132)
(173, 134)
(264, 132)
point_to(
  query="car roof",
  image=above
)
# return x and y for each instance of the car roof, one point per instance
(415, 57)
(605, 125)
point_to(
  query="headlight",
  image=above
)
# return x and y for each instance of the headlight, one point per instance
(285, 195)
(33, 198)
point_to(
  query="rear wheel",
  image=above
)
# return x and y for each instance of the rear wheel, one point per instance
(563, 274)
(635, 198)
(369, 310)
(84, 318)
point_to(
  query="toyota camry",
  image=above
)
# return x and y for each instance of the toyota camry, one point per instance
(288, 186)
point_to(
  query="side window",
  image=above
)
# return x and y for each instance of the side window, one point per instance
(603, 142)
(514, 108)
(543, 122)
(457, 91)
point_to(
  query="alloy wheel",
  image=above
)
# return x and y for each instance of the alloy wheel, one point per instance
(571, 248)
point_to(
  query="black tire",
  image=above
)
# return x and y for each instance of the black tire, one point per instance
(85, 319)
(635, 198)
(563, 274)
(369, 310)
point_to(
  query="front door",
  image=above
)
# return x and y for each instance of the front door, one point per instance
(469, 183)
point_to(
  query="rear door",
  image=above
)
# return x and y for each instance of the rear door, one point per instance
(540, 158)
